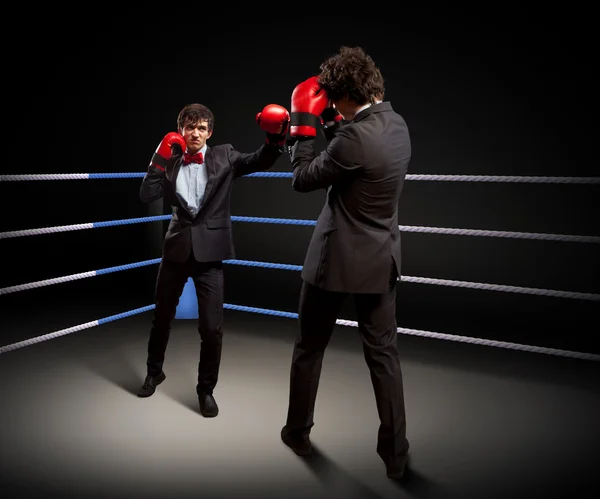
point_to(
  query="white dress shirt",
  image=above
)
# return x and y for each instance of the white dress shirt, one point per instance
(191, 184)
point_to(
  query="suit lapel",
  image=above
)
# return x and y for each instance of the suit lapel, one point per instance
(174, 174)
(211, 173)
(176, 167)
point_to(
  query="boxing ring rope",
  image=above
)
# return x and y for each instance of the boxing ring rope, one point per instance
(285, 266)
(340, 322)
(293, 221)
(419, 280)
(436, 178)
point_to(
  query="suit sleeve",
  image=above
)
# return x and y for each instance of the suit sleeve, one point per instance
(262, 159)
(153, 185)
(342, 159)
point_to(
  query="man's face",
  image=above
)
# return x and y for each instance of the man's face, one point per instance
(195, 135)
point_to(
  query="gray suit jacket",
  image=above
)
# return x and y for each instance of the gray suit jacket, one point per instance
(356, 240)
(209, 233)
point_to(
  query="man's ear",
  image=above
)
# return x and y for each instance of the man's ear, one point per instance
(209, 135)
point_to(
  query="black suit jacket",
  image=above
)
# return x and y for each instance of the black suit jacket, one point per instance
(209, 233)
(363, 169)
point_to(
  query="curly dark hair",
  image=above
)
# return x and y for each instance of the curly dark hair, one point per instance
(195, 113)
(353, 73)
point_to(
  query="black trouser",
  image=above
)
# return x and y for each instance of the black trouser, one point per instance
(376, 315)
(209, 284)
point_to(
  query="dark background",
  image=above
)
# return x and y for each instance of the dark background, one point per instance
(501, 93)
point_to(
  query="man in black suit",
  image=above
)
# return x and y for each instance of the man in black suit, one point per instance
(355, 247)
(196, 180)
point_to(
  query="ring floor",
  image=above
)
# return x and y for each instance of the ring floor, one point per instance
(482, 422)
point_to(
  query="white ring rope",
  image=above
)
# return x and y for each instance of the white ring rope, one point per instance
(45, 337)
(45, 176)
(46, 282)
(502, 287)
(499, 233)
(490, 343)
(506, 178)
(45, 230)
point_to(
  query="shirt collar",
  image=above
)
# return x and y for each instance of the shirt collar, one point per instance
(366, 106)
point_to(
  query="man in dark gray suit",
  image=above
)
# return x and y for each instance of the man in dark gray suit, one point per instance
(355, 247)
(196, 180)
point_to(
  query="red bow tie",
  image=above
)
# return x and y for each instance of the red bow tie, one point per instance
(192, 158)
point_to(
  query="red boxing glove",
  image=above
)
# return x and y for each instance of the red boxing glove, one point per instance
(274, 119)
(309, 100)
(171, 143)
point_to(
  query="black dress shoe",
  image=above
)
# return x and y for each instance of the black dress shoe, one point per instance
(208, 405)
(300, 445)
(395, 470)
(150, 384)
